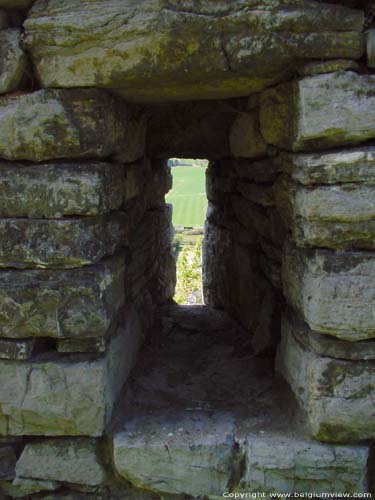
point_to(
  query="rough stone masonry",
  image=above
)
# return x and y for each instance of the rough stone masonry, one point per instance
(96, 95)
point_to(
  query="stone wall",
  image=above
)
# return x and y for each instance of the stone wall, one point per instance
(279, 96)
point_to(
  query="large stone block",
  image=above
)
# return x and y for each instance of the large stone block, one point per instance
(303, 114)
(153, 51)
(342, 166)
(61, 243)
(289, 462)
(12, 60)
(335, 216)
(183, 455)
(77, 303)
(63, 460)
(326, 345)
(55, 190)
(333, 292)
(69, 397)
(245, 138)
(50, 124)
(337, 396)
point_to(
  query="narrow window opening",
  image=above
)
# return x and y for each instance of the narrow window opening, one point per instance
(189, 200)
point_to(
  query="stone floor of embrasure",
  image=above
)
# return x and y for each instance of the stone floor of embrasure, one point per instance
(202, 415)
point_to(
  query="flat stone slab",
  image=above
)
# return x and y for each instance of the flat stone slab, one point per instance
(203, 416)
(281, 461)
(66, 397)
(340, 216)
(325, 345)
(56, 123)
(177, 454)
(61, 243)
(63, 460)
(55, 190)
(302, 114)
(337, 396)
(350, 165)
(76, 304)
(136, 52)
(12, 60)
(333, 292)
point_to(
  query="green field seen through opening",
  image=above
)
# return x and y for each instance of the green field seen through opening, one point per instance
(188, 195)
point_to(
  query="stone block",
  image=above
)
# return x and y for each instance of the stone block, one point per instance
(340, 216)
(230, 51)
(325, 345)
(267, 222)
(337, 396)
(183, 455)
(330, 167)
(7, 463)
(289, 462)
(245, 138)
(62, 460)
(16, 349)
(303, 114)
(12, 60)
(55, 190)
(54, 123)
(260, 171)
(77, 303)
(321, 67)
(67, 397)
(61, 243)
(96, 345)
(22, 488)
(371, 48)
(333, 292)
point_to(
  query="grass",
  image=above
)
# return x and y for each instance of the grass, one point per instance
(188, 196)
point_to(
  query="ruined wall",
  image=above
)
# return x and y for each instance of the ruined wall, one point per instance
(283, 108)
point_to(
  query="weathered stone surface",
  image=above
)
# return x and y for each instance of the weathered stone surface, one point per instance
(67, 398)
(12, 60)
(56, 190)
(245, 138)
(332, 291)
(280, 461)
(4, 20)
(260, 171)
(61, 243)
(64, 304)
(16, 349)
(21, 488)
(137, 52)
(302, 115)
(95, 345)
(183, 456)
(371, 48)
(267, 222)
(337, 396)
(336, 216)
(332, 167)
(50, 124)
(232, 280)
(7, 463)
(62, 460)
(321, 67)
(328, 346)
